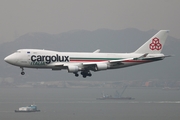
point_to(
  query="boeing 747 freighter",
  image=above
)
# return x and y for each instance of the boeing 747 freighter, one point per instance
(85, 62)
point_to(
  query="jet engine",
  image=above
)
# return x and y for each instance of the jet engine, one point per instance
(73, 69)
(101, 66)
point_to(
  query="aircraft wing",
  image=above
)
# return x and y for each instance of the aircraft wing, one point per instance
(123, 60)
(57, 66)
(95, 66)
(92, 65)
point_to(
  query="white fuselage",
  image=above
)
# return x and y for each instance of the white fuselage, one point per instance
(85, 62)
(35, 58)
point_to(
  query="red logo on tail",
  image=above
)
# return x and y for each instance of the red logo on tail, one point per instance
(155, 45)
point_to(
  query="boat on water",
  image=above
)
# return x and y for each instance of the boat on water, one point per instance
(109, 97)
(118, 96)
(114, 98)
(30, 108)
(171, 88)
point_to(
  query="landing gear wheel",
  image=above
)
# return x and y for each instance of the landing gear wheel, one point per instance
(76, 75)
(84, 76)
(89, 74)
(22, 73)
(86, 73)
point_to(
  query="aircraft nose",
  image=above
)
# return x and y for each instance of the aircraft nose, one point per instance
(9, 59)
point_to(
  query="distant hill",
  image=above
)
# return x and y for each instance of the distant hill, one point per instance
(126, 40)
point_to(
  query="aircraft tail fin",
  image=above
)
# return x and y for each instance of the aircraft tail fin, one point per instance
(155, 44)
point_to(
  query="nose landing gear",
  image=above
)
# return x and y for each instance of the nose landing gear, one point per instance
(22, 73)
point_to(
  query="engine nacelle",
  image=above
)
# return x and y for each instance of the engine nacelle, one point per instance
(101, 66)
(73, 69)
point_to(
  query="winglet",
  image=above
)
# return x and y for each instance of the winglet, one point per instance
(97, 51)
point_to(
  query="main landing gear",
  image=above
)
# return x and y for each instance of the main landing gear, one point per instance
(76, 74)
(84, 74)
(22, 73)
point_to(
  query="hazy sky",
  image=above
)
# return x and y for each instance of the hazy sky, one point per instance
(18, 17)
